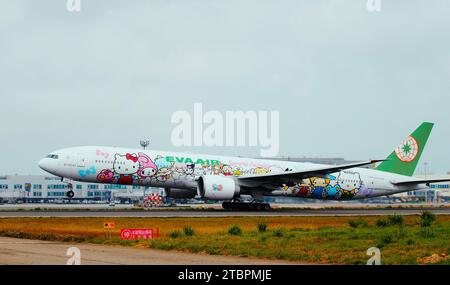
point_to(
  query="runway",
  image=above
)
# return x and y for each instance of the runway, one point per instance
(224, 213)
(35, 252)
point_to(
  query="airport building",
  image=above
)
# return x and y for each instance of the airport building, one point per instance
(48, 189)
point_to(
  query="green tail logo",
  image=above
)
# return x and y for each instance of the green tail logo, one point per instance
(403, 160)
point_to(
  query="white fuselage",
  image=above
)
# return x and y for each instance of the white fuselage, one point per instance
(114, 165)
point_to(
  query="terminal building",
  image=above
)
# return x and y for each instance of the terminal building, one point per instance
(50, 189)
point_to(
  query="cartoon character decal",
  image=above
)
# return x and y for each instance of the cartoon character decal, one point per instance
(303, 190)
(126, 166)
(190, 169)
(147, 168)
(164, 169)
(350, 183)
(178, 170)
(105, 176)
(227, 170)
(345, 186)
(129, 168)
(85, 172)
(365, 192)
(206, 169)
(261, 170)
(317, 185)
(237, 171)
(333, 190)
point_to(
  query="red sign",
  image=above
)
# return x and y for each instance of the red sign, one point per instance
(139, 233)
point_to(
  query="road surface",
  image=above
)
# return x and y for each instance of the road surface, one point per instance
(21, 251)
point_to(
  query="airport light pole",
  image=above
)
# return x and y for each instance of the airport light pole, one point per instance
(144, 143)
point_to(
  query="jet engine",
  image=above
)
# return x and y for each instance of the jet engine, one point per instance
(215, 187)
(180, 193)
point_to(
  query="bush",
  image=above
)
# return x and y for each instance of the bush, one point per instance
(175, 234)
(393, 220)
(262, 227)
(357, 223)
(278, 232)
(385, 240)
(427, 218)
(188, 231)
(381, 223)
(396, 220)
(235, 230)
(410, 242)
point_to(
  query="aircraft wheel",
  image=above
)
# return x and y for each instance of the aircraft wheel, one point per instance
(266, 207)
(234, 206)
(70, 194)
(226, 205)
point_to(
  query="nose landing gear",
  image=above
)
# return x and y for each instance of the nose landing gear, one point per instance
(70, 194)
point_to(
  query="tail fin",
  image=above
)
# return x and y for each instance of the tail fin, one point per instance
(403, 160)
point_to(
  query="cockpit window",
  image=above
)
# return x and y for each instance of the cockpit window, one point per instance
(52, 156)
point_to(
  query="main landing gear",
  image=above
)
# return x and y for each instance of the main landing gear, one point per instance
(246, 206)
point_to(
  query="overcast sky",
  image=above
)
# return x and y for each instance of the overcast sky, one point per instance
(347, 82)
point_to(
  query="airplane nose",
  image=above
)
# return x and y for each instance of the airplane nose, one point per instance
(44, 164)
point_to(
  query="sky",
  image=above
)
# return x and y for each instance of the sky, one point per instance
(346, 82)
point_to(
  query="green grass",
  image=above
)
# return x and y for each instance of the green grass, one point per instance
(401, 241)
(398, 244)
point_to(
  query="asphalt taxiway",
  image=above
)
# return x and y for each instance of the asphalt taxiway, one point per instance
(21, 251)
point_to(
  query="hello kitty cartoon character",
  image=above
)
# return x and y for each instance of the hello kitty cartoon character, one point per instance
(126, 166)
(105, 176)
(147, 167)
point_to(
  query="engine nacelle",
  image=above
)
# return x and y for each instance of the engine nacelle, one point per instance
(215, 187)
(180, 193)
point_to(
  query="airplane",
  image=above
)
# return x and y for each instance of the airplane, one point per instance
(232, 179)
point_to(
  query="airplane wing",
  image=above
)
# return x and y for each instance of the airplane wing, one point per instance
(420, 181)
(294, 176)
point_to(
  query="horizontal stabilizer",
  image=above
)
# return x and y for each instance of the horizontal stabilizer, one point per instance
(420, 181)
